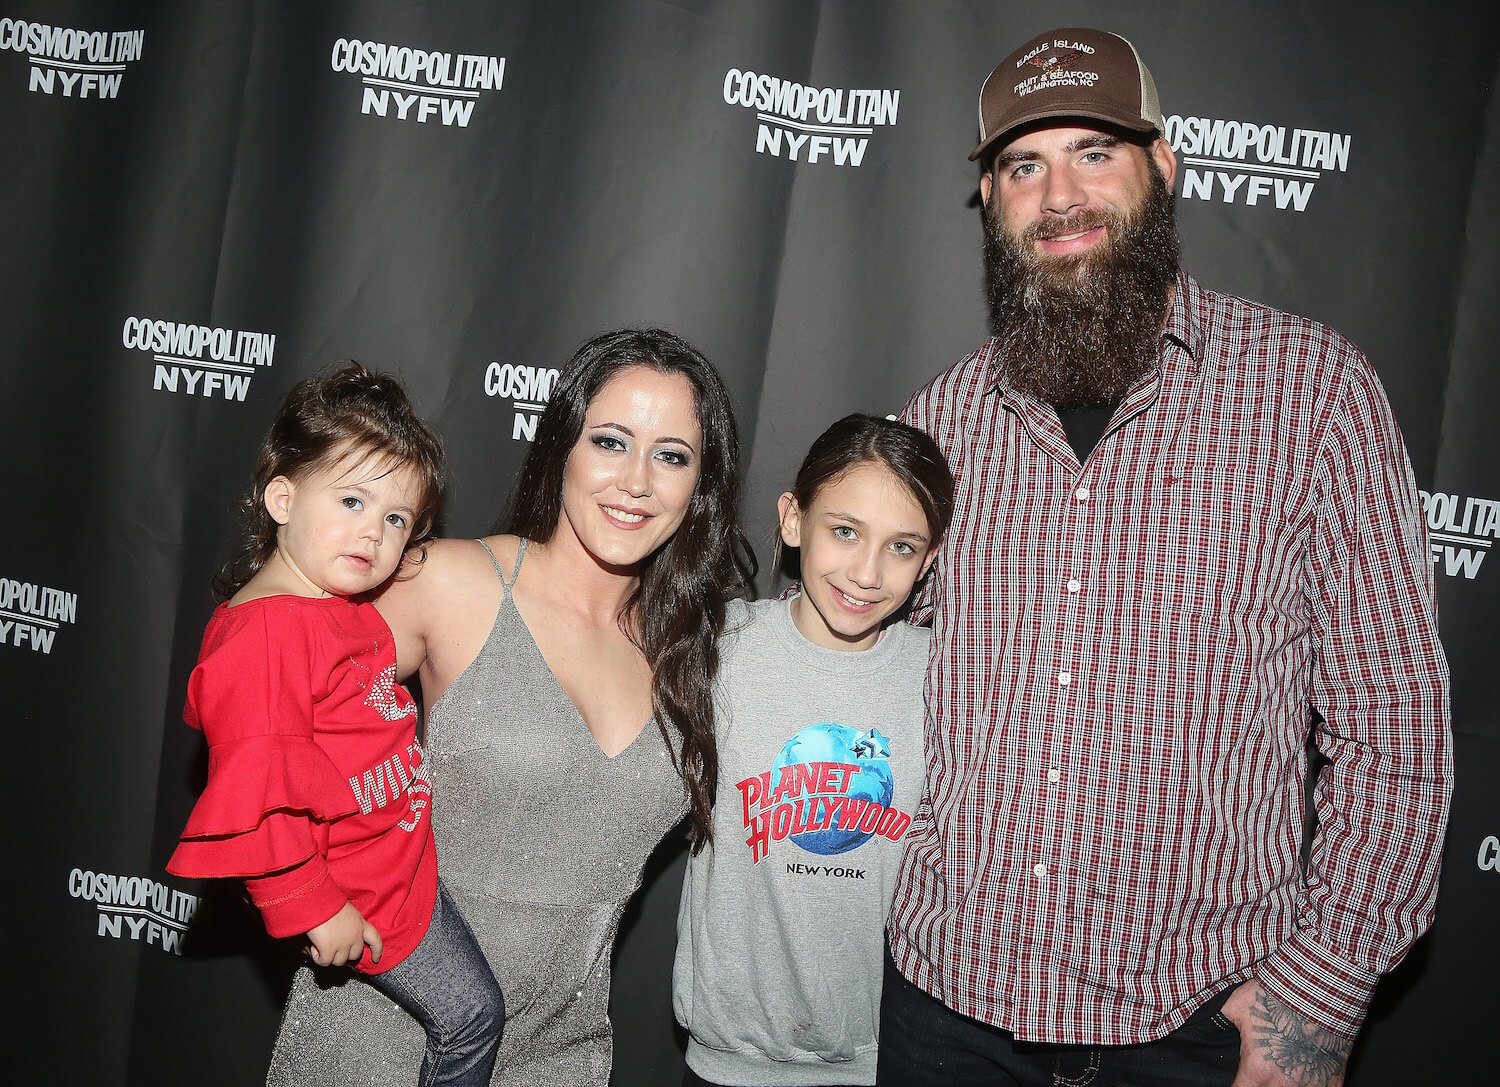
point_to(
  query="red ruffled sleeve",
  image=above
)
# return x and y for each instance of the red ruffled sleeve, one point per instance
(266, 808)
(272, 790)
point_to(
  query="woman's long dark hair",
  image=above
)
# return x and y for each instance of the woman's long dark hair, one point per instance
(677, 611)
(347, 411)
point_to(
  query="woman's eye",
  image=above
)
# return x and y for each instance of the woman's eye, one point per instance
(607, 442)
(845, 532)
(674, 456)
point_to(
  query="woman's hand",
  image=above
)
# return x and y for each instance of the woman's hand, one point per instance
(342, 939)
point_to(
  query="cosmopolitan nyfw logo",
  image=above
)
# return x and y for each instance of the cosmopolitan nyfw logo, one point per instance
(811, 124)
(199, 360)
(136, 908)
(72, 63)
(1247, 163)
(1461, 529)
(416, 84)
(829, 791)
(31, 614)
(1489, 854)
(528, 388)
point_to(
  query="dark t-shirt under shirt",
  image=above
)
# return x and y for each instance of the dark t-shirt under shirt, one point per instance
(1085, 425)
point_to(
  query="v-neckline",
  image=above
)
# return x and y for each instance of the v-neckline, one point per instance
(577, 713)
(510, 598)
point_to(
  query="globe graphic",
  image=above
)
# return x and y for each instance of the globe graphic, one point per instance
(827, 742)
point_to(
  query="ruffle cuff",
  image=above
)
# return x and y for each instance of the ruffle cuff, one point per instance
(266, 808)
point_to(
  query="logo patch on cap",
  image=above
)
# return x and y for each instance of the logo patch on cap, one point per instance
(1075, 72)
(1062, 60)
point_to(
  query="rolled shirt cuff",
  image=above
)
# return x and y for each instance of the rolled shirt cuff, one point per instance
(1319, 984)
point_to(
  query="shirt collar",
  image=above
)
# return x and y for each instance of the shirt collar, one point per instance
(1184, 318)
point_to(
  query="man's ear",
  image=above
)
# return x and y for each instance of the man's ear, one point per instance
(278, 499)
(791, 519)
(1166, 160)
(986, 184)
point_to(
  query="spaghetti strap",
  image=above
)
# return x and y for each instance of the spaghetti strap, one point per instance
(520, 554)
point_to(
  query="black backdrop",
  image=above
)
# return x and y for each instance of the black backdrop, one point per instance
(205, 201)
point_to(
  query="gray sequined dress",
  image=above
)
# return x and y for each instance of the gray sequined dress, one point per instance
(541, 842)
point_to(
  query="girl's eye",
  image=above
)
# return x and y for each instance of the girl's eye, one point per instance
(352, 503)
(396, 519)
(901, 547)
(845, 532)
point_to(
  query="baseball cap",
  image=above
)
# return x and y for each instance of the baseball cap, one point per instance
(1071, 72)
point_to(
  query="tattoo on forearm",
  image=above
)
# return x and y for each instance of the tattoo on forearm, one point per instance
(1306, 1053)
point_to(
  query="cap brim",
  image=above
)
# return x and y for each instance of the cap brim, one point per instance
(1113, 118)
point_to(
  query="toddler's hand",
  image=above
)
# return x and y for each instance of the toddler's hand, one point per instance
(342, 939)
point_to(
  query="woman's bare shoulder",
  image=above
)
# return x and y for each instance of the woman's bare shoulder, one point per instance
(450, 569)
(504, 548)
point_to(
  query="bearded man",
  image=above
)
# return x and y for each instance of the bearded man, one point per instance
(1186, 537)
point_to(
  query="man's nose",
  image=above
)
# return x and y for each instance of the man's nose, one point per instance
(1063, 193)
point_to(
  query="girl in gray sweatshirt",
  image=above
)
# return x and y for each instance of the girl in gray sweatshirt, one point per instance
(819, 723)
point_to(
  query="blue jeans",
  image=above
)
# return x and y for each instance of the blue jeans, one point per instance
(924, 1043)
(447, 986)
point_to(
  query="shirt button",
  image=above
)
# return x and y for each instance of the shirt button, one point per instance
(1039, 870)
(1074, 584)
(1082, 494)
(1054, 774)
(1064, 678)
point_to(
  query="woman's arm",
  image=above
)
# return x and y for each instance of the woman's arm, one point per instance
(442, 609)
(405, 604)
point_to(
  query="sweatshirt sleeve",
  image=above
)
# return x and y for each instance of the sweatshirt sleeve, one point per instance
(272, 790)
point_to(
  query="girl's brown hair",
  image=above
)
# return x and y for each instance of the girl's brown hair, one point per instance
(910, 455)
(347, 412)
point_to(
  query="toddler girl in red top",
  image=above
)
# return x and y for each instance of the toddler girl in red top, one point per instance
(317, 795)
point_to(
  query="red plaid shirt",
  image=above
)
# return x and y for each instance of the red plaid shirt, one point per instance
(1126, 659)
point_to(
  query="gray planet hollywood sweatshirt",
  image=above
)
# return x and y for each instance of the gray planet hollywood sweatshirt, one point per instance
(780, 934)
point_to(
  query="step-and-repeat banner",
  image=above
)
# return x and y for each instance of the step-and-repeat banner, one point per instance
(203, 202)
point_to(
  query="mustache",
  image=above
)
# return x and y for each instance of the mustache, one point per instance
(1076, 223)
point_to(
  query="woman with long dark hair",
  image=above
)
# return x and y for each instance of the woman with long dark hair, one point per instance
(567, 668)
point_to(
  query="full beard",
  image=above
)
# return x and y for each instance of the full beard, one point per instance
(1077, 330)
